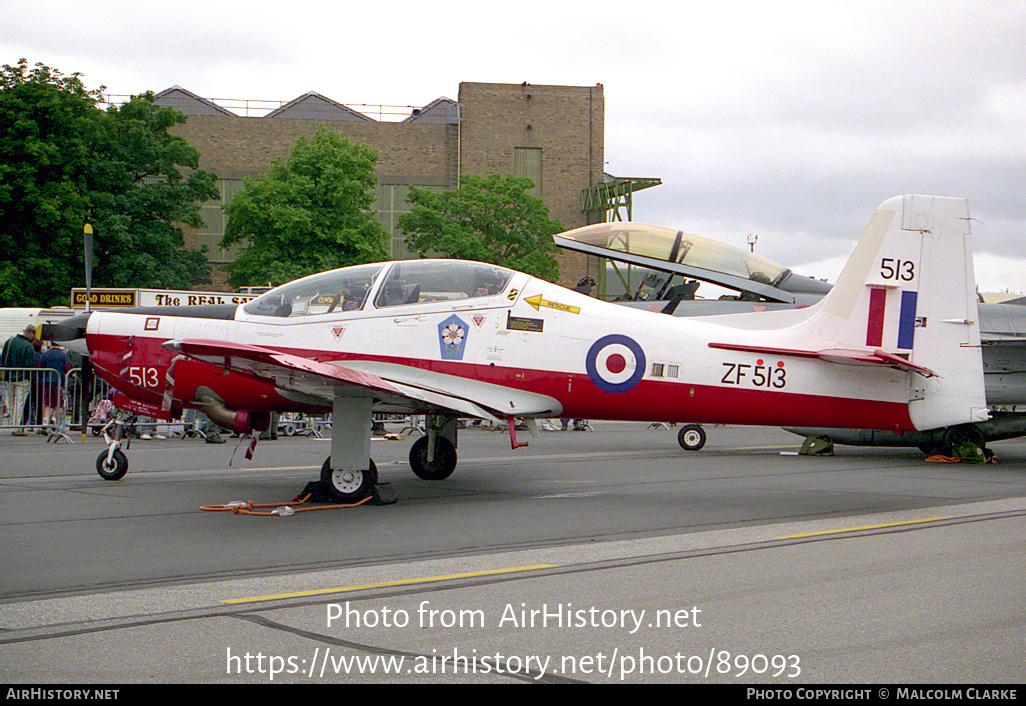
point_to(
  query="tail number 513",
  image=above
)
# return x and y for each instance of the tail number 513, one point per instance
(143, 376)
(905, 270)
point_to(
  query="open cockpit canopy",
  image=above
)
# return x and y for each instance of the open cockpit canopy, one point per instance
(679, 253)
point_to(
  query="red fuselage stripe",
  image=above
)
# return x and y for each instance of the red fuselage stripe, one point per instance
(649, 400)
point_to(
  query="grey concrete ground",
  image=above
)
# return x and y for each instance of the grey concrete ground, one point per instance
(601, 556)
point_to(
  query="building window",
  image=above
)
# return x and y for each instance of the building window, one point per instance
(215, 221)
(528, 163)
(390, 203)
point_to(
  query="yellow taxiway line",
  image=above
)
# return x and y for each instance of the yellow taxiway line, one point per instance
(864, 527)
(384, 584)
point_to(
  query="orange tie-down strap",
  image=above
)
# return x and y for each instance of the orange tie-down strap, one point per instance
(280, 509)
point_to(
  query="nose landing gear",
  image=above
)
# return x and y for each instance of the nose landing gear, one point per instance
(112, 464)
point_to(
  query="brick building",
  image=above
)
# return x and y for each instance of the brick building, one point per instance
(553, 135)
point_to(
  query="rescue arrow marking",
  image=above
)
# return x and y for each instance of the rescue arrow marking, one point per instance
(537, 302)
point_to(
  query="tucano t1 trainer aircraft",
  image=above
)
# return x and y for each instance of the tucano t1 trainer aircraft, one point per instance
(895, 345)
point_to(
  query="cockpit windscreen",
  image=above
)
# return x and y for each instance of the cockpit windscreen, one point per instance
(338, 290)
(421, 281)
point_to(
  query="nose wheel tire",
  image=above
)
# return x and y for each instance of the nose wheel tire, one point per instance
(691, 437)
(347, 486)
(441, 466)
(115, 468)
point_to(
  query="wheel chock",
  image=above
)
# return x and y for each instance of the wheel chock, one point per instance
(384, 494)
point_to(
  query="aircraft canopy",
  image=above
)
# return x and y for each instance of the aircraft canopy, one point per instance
(382, 285)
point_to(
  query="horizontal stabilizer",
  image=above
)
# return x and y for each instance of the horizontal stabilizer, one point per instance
(835, 355)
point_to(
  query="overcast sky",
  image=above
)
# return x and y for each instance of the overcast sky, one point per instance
(789, 120)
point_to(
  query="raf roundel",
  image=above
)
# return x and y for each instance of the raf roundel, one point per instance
(615, 363)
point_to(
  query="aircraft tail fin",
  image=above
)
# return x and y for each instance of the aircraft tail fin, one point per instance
(908, 293)
(906, 300)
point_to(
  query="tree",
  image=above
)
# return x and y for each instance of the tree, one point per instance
(138, 198)
(65, 162)
(490, 219)
(46, 124)
(310, 212)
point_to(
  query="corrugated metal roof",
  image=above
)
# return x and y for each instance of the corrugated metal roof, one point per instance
(189, 103)
(314, 106)
(441, 110)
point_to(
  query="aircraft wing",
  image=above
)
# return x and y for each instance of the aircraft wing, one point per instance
(835, 355)
(390, 384)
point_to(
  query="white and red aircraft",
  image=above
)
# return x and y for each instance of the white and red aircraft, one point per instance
(895, 345)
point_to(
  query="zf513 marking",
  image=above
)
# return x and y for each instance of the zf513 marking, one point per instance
(904, 270)
(758, 375)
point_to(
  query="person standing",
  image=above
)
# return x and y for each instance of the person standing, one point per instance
(34, 411)
(19, 353)
(56, 365)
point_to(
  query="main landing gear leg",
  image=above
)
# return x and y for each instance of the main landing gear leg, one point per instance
(433, 457)
(349, 473)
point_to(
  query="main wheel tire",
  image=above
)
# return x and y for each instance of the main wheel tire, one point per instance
(443, 464)
(348, 486)
(691, 437)
(964, 432)
(115, 469)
